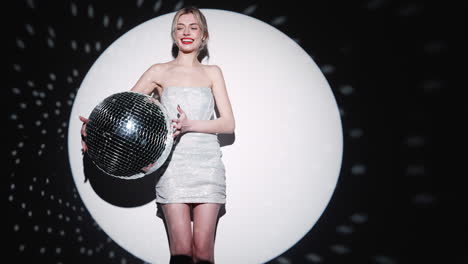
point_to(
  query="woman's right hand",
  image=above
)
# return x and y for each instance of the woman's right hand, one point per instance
(83, 133)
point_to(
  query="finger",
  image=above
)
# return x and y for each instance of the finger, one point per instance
(84, 119)
(83, 146)
(180, 109)
(83, 130)
(175, 120)
(176, 133)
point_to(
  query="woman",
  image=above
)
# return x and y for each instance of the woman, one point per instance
(193, 183)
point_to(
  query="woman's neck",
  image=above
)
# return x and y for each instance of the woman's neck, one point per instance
(186, 59)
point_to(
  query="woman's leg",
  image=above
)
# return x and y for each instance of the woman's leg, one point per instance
(179, 227)
(205, 218)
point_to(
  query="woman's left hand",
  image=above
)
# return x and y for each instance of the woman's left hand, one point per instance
(180, 124)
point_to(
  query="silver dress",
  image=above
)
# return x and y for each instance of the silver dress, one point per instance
(194, 171)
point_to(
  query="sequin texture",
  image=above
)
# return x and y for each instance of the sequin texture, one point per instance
(194, 171)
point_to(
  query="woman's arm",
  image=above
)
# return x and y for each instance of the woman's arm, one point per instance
(147, 82)
(225, 123)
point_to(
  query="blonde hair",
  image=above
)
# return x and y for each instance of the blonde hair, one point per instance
(203, 50)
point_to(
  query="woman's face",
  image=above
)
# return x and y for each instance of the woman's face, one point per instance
(188, 34)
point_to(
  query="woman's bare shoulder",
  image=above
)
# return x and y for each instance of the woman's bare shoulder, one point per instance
(160, 66)
(214, 71)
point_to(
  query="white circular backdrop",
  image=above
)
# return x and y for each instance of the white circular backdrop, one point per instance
(281, 170)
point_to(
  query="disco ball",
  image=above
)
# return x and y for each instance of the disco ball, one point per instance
(126, 132)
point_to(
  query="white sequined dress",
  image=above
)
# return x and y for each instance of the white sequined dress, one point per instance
(194, 171)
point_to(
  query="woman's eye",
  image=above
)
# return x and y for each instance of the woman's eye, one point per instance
(194, 28)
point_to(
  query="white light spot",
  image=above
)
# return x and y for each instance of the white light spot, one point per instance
(87, 48)
(430, 86)
(51, 31)
(17, 67)
(139, 3)
(424, 199)
(16, 90)
(415, 170)
(358, 169)
(314, 258)
(358, 218)
(105, 21)
(342, 112)
(31, 4)
(21, 247)
(340, 249)
(90, 11)
(410, 9)
(356, 133)
(73, 9)
(415, 141)
(328, 68)
(30, 29)
(346, 89)
(74, 45)
(436, 46)
(50, 43)
(97, 46)
(278, 21)
(119, 23)
(250, 10)
(283, 260)
(20, 43)
(344, 229)
(157, 6)
(179, 5)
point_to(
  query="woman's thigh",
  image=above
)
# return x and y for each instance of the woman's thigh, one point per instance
(205, 218)
(178, 222)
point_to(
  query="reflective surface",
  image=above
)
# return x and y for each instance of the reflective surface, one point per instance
(126, 132)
